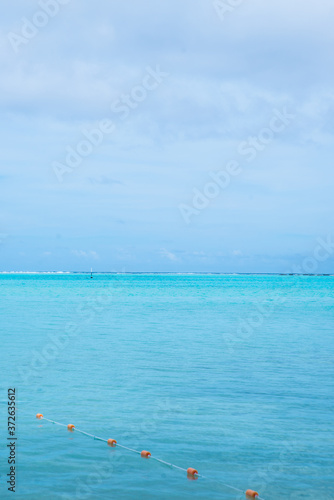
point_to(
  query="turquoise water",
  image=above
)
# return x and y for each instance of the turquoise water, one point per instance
(232, 375)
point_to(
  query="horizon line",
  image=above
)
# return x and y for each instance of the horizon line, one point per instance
(169, 272)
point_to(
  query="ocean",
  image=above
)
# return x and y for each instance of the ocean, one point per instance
(232, 375)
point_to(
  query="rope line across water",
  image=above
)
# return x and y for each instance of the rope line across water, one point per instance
(192, 473)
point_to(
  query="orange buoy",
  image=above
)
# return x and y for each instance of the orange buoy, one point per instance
(251, 494)
(145, 454)
(192, 471)
(112, 442)
(71, 427)
(39, 415)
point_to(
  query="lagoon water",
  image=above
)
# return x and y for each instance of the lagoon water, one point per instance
(230, 374)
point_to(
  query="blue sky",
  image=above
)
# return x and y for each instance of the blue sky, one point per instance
(181, 89)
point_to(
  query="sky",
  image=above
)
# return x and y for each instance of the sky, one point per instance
(169, 136)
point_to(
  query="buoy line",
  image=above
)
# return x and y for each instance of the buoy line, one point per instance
(191, 472)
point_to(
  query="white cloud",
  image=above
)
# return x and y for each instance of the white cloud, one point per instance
(87, 255)
(225, 79)
(168, 255)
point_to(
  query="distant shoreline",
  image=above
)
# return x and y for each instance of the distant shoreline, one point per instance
(59, 273)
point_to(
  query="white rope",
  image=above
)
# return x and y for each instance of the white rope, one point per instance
(126, 448)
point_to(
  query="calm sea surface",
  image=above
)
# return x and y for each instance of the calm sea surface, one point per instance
(232, 375)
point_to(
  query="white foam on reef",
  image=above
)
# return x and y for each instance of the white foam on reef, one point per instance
(35, 272)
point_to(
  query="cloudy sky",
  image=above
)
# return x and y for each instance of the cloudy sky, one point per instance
(170, 135)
